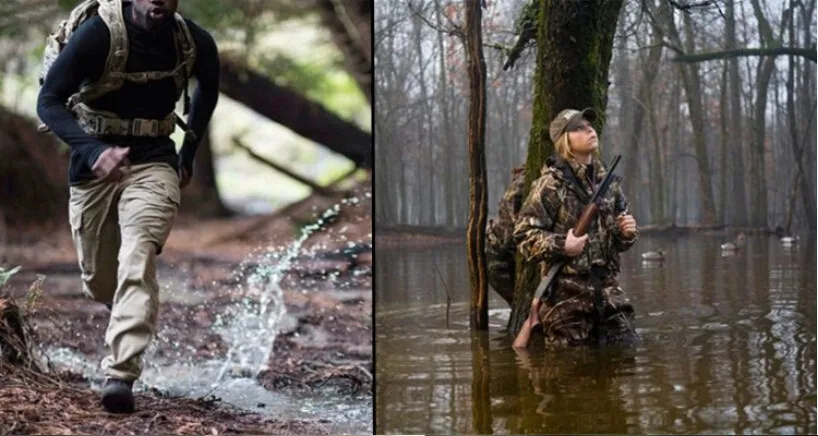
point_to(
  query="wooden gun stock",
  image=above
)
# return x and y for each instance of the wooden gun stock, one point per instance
(588, 216)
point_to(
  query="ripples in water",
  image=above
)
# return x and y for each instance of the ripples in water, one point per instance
(728, 346)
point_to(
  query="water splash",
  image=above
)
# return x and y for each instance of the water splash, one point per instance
(255, 318)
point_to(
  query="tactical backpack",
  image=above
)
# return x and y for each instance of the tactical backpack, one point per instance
(501, 249)
(97, 122)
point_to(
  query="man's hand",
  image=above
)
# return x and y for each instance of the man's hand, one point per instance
(574, 244)
(627, 225)
(184, 177)
(107, 164)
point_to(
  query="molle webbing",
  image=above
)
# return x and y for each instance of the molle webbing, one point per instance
(101, 123)
(96, 122)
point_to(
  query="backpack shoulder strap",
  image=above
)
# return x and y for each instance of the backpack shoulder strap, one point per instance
(57, 41)
(187, 59)
(111, 79)
(188, 47)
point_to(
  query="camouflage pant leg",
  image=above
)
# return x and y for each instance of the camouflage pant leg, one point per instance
(571, 321)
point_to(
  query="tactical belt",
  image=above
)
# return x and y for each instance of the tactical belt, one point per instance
(99, 123)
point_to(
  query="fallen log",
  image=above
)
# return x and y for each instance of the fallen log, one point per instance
(295, 112)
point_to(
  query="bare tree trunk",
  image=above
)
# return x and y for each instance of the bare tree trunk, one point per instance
(723, 189)
(675, 141)
(651, 68)
(798, 149)
(757, 145)
(574, 48)
(449, 141)
(629, 125)
(739, 217)
(478, 206)
(807, 96)
(425, 133)
(693, 92)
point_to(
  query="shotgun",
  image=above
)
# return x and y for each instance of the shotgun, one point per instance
(580, 229)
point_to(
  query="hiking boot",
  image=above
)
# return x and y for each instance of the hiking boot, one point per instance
(117, 396)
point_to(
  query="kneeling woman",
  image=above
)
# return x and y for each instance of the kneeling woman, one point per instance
(587, 306)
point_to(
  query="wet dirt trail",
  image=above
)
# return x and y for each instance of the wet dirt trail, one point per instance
(264, 327)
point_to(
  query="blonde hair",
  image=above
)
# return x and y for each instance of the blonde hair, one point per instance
(563, 148)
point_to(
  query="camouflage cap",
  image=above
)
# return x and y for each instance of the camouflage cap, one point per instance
(568, 119)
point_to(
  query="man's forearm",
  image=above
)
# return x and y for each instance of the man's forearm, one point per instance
(52, 111)
(201, 111)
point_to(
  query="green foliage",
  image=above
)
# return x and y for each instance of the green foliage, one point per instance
(242, 17)
(6, 275)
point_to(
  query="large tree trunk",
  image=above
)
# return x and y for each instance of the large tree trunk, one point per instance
(295, 112)
(478, 205)
(574, 47)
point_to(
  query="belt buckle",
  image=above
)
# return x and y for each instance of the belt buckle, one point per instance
(154, 128)
(144, 127)
(98, 124)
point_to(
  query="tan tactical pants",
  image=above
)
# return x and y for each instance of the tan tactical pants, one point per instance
(118, 229)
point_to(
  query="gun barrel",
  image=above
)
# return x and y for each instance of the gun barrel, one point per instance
(603, 187)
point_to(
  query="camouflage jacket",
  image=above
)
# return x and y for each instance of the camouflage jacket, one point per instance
(500, 231)
(554, 205)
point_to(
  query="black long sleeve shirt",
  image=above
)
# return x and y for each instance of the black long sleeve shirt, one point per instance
(82, 61)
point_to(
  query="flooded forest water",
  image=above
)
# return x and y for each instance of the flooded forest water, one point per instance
(728, 346)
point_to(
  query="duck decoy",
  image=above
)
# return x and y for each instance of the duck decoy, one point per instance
(789, 241)
(729, 246)
(654, 255)
(734, 245)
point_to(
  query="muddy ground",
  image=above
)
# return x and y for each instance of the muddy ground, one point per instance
(324, 346)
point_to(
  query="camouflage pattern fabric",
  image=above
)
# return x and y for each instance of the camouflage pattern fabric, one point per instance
(553, 206)
(501, 249)
(571, 320)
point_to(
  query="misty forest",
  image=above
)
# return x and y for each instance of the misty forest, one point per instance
(711, 104)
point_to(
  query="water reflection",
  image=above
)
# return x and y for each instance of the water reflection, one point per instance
(728, 347)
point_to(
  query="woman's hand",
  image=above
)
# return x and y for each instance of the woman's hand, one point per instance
(521, 341)
(574, 244)
(627, 225)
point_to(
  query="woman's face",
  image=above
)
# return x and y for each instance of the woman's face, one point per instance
(583, 138)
